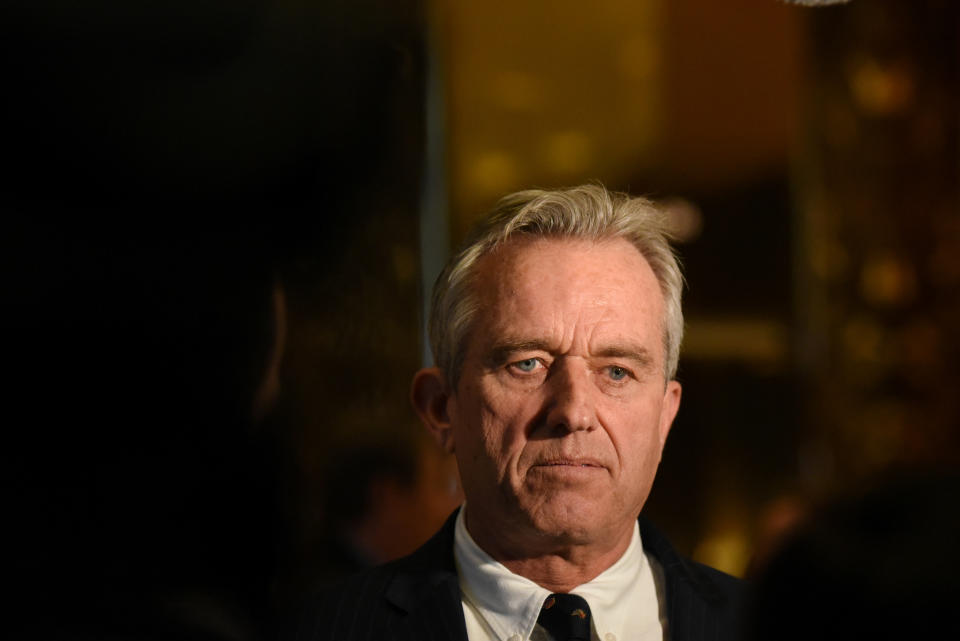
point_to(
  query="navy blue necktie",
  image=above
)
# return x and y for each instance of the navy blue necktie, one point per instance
(566, 617)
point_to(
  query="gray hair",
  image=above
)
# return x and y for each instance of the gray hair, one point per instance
(588, 212)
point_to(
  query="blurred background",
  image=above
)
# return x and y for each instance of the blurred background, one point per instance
(809, 160)
(178, 172)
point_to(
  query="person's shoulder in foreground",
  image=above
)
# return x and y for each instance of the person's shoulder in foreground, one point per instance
(556, 332)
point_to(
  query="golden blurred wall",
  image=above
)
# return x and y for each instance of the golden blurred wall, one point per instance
(633, 93)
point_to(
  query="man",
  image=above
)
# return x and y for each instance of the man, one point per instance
(556, 334)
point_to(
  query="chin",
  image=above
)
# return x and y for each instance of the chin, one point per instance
(567, 523)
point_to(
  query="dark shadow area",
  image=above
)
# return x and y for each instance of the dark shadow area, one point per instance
(146, 470)
(882, 562)
(179, 176)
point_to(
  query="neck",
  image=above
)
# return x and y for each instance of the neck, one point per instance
(554, 563)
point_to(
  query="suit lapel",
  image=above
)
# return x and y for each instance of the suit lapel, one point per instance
(692, 601)
(427, 590)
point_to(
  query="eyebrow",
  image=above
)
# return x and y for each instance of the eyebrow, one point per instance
(501, 352)
(639, 355)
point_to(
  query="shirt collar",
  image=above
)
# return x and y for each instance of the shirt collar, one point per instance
(510, 604)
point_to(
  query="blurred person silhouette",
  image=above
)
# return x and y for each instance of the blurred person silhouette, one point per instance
(878, 563)
(382, 501)
(143, 340)
(145, 475)
(777, 521)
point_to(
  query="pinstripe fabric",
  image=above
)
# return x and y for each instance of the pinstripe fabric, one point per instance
(703, 604)
(418, 598)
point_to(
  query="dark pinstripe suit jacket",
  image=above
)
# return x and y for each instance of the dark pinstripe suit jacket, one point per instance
(418, 597)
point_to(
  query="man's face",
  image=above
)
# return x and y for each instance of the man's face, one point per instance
(561, 410)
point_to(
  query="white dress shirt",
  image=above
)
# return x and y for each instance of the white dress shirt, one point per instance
(499, 605)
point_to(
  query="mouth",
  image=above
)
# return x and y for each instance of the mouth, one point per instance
(574, 463)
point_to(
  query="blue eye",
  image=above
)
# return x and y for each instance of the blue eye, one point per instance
(527, 364)
(617, 373)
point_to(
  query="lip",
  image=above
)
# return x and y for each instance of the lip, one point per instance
(570, 463)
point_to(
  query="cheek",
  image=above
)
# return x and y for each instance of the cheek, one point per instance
(504, 421)
(638, 443)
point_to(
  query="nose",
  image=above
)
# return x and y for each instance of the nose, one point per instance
(571, 405)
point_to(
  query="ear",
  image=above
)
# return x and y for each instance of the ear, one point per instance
(429, 396)
(668, 410)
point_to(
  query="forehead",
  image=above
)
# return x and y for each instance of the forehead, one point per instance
(553, 286)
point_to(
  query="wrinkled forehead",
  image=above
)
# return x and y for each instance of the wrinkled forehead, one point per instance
(505, 266)
(538, 281)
